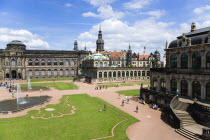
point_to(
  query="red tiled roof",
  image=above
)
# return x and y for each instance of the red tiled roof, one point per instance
(145, 57)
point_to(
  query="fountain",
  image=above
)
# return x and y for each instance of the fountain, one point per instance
(20, 99)
(29, 83)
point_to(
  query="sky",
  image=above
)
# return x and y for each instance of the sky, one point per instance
(55, 24)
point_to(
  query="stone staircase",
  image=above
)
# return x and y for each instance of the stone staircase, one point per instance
(180, 109)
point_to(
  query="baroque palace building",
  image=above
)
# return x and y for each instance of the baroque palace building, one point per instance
(17, 62)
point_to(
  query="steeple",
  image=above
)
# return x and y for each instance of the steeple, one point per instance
(100, 41)
(129, 47)
(85, 47)
(75, 45)
(144, 52)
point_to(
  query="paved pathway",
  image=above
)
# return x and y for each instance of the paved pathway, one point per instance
(151, 127)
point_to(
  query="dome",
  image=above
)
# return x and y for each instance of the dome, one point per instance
(157, 52)
(16, 42)
(100, 41)
(97, 56)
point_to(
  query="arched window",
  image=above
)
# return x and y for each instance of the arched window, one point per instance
(173, 86)
(163, 85)
(72, 72)
(110, 74)
(196, 90)
(131, 74)
(119, 74)
(105, 64)
(105, 74)
(139, 73)
(173, 61)
(67, 72)
(184, 61)
(49, 72)
(114, 74)
(61, 72)
(61, 62)
(100, 74)
(36, 62)
(101, 64)
(123, 74)
(135, 73)
(43, 62)
(208, 91)
(37, 72)
(143, 73)
(55, 72)
(96, 64)
(72, 63)
(208, 60)
(30, 73)
(148, 74)
(49, 62)
(30, 62)
(196, 60)
(13, 62)
(184, 88)
(127, 73)
(43, 72)
(67, 62)
(155, 82)
(55, 62)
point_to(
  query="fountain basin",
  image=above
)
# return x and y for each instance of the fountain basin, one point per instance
(11, 106)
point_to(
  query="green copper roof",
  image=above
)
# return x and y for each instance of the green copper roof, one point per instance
(16, 42)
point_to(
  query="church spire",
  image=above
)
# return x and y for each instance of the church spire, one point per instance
(75, 45)
(100, 41)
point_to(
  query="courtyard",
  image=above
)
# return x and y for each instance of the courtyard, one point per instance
(74, 114)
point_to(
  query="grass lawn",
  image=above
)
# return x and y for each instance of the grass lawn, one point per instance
(126, 84)
(56, 79)
(132, 92)
(144, 83)
(56, 85)
(108, 85)
(87, 123)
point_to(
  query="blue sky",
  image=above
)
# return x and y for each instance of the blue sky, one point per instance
(54, 24)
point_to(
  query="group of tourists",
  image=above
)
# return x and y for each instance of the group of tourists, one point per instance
(126, 100)
(154, 106)
(142, 102)
(100, 87)
(104, 109)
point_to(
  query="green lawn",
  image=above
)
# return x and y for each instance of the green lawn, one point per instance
(144, 83)
(56, 79)
(56, 85)
(108, 85)
(87, 123)
(126, 84)
(132, 92)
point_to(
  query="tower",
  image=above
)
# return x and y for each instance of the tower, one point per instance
(75, 45)
(144, 52)
(129, 56)
(193, 27)
(100, 41)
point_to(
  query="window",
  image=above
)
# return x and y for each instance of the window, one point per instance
(131, 74)
(148, 73)
(110, 74)
(143, 73)
(196, 61)
(61, 72)
(173, 61)
(184, 61)
(114, 74)
(55, 72)
(208, 60)
(67, 62)
(67, 72)
(30, 72)
(184, 88)
(43, 62)
(49, 72)
(96, 64)
(36, 62)
(127, 73)
(13, 62)
(208, 91)
(101, 64)
(123, 74)
(61, 62)
(100, 74)
(72, 72)
(155, 82)
(135, 73)
(163, 85)
(49, 62)
(173, 86)
(139, 73)
(72, 63)
(37, 72)
(43, 72)
(105, 74)
(105, 64)
(55, 62)
(119, 74)
(196, 90)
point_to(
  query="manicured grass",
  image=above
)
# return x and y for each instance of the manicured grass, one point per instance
(144, 83)
(56, 85)
(56, 79)
(87, 122)
(108, 85)
(126, 84)
(132, 92)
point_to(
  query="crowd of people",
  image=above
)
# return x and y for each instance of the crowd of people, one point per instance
(100, 87)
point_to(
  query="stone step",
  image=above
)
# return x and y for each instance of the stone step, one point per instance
(188, 134)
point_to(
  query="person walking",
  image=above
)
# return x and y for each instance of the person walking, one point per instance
(137, 109)
(122, 102)
(104, 107)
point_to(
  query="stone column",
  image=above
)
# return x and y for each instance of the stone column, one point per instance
(203, 60)
(189, 88)
(190, 60)
(168, 84)
(203, 90)
(178, 61)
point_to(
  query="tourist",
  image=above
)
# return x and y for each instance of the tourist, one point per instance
(122, 102)
(104, 107)
(100, 87)
(128, 100)
(40, 90)
(106, 86)
(137, 109)
(26, 95)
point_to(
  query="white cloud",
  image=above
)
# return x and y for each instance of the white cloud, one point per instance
(31, 40)
(68, 4)
(200, 10)
(99, 2)
(136, 4)
(104, 12)
(156, 14)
